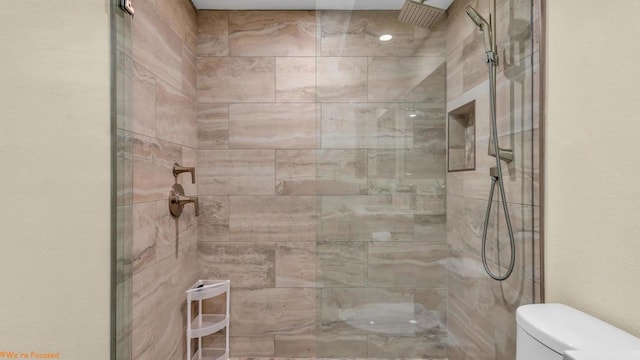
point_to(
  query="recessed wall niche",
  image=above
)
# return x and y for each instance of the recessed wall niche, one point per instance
(462, 138)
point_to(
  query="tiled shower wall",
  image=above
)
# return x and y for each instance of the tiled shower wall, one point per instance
(164, 131)
(321, 170)
(481, 311)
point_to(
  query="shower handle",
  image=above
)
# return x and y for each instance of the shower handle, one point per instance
(179, 169)
(177, 201)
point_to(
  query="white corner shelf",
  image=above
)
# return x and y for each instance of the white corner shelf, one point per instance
(200, 325)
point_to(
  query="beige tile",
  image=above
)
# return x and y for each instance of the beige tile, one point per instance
(181, 17)
(272, 126)
(430, 219)
(357, 33)
(153, 161)
(429, 126)
(144, 101)
(168, 232)
(367, 126)
(144, 300)
(253, 311)
(236, 172)
(213, 33)
(213, 126)
(157, 47)
(421, 265)
(341, 346)
(189, 72)
(351, 311)
(296, 79)
(380, 346)
(431, 312)
(406, 171)
(342, 79)
(246, 265)
(405, 79)
(213, 221)
(175, 116)
(252, 345)
(296, 264)
(365, 218)
(144, 236)
(474, 58)
(326, 172)
(236, 79)
(273, 218)
(272, 33)
(432, 41)
(296, 346)
(342, 264)
(296, 172)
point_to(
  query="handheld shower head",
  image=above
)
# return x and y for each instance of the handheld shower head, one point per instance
(484, 26)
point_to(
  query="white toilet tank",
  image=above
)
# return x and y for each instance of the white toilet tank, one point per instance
(546, 331)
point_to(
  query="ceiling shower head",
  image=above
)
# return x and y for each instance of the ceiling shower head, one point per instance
(484, 26)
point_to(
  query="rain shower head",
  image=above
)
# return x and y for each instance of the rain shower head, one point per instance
(484, 26)
(423, 13)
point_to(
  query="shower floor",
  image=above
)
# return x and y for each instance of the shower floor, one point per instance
(280, 358)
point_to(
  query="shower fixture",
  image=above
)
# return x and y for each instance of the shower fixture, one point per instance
(423, 13)
(494, 149)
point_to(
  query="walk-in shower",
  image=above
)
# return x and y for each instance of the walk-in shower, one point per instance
(322, 183)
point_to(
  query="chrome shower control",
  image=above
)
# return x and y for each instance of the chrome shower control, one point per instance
(177, 201)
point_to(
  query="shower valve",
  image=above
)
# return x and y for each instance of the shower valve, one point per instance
(177, 201)
(179, 169)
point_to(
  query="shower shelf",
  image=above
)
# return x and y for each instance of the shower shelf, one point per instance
(203, 325)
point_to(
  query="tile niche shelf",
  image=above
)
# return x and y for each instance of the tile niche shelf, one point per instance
(461, 142)
(200, 325)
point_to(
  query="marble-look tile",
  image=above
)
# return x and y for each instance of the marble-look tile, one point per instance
(367, 126)
(213, 33)
(341, 346)
(432, 41)
(430, 126)
(296, 79)
(357, 33)
(236, 79)
(181, 17)
(213, 221)
(246, 265)
(342, 264)
(272, 33)
(474, 60)
(296, 264)
(272, 126)
(213, 126)
(296, 346)
(144, 236)
(252, 345)
(126, 82)
(189, 72)
(406, 171)
(323, 172)
(144, 299)
(175, 116)
(430, 219)
(296, 172)
(365, 218)
(432, 347)
(421, 265)
(342, 79)
(166, 227)
(157, 47)
(431, 309)
(144, 101)
(153, 160)
(236, 172)
(252, 313)
(273, 218)
(406, 79)
(367, 310)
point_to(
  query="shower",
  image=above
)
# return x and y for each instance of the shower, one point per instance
(494, 149)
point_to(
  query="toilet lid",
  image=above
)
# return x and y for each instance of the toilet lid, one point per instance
(601, 355)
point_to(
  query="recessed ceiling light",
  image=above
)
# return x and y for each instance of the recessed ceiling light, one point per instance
(386, 37)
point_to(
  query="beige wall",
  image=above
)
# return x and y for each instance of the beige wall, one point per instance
(592, 194)
(54, 141)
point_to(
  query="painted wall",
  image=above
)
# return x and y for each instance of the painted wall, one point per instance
(55, 146)
(592, 239)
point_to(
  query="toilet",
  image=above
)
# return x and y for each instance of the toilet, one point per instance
(549, 331)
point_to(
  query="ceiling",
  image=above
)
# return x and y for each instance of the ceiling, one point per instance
(298, 4)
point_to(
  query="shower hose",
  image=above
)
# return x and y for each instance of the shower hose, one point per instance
(496, 178)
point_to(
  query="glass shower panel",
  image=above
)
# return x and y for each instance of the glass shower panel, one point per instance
(122, 182)
(380, 175)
